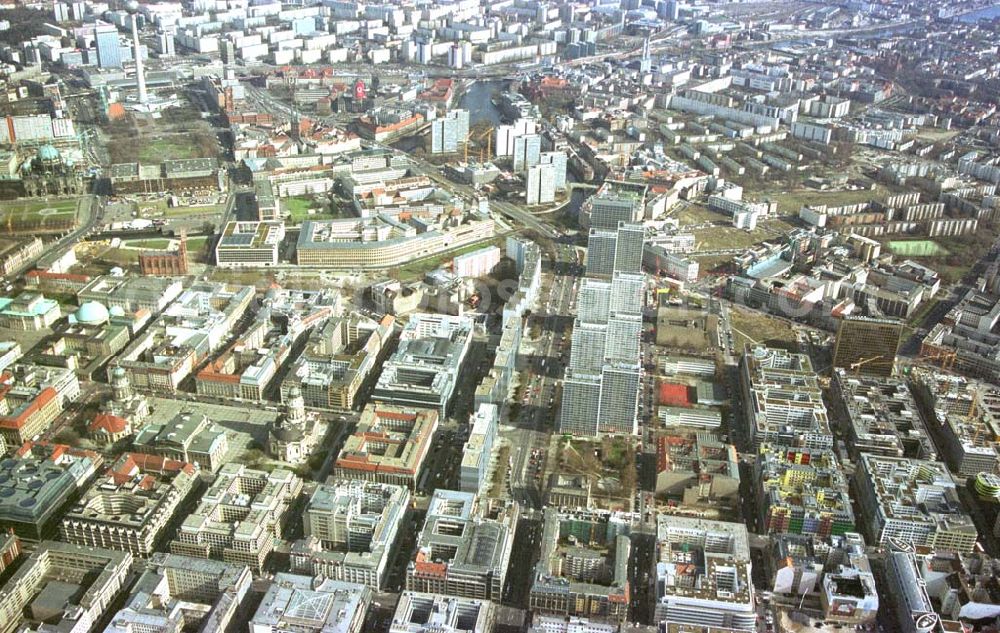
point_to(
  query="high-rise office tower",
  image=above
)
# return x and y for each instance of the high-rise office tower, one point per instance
(109, 50)
(627, 293)
(594, 300)
(449, 133)
(616, 202)
(623, 336)
(602, 380)
(558, 161)
(587, 348)
(619, 399)
(580, 410)
(527, 151)
(867, 346)
(628, 247)
(540, 184)
(619, 250)
(505, 135)
(601, 248)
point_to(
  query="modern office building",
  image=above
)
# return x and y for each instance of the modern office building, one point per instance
(108, 45)
(967, 416)
(195, 325)
(614, 202)
(782, 399)
(339, 357)
(601, 385)
(350, 529)
(505, 135)
(131, 293)
(867, 346)
(129, 507)
(630, 240)
(432, 613)
(697, 468)
(559, 162)
(477, 263)
(174, 592)
(540, 184)
(601, 246)
(802, 491)
(833, 571)
(464, 546)
(381, 242)
(425, 368)
(450, 132)
(307, 604)
(239, 517)
(389, 445)
(249, 244)
(703, 574)
(911, 501)
(478, 450)
(527, 151)
(583, 568)
(883, 418)
(914, 611)
(63, 587)
(38, 480)
(611, 251)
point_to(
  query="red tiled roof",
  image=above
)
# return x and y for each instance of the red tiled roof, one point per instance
(110, 424)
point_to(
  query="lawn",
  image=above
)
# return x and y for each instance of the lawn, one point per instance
(42, 208)
(417, 267)
(697, 214)
(790, 202)
(762, 328)
(917, 248)
(152, 244)
(171, 147)
(175, 212)
(299, 207)
(197, 243)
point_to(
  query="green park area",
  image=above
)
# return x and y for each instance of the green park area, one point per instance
(416, 268)
(302, 208)
(756, 327)
(156, 149)
(36, 209)
(789, 202)
(917, 248)
(156, 244)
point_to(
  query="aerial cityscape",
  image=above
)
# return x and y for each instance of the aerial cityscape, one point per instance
(523, 316)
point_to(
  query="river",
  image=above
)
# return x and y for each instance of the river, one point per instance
(987, 13)
(477, 100)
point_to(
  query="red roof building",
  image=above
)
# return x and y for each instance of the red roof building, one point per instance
(674, 394)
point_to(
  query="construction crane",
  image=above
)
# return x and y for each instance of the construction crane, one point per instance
(856, 367)
(489, 143)
(947, 357)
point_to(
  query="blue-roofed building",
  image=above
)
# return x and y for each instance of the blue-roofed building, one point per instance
(28, 312)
